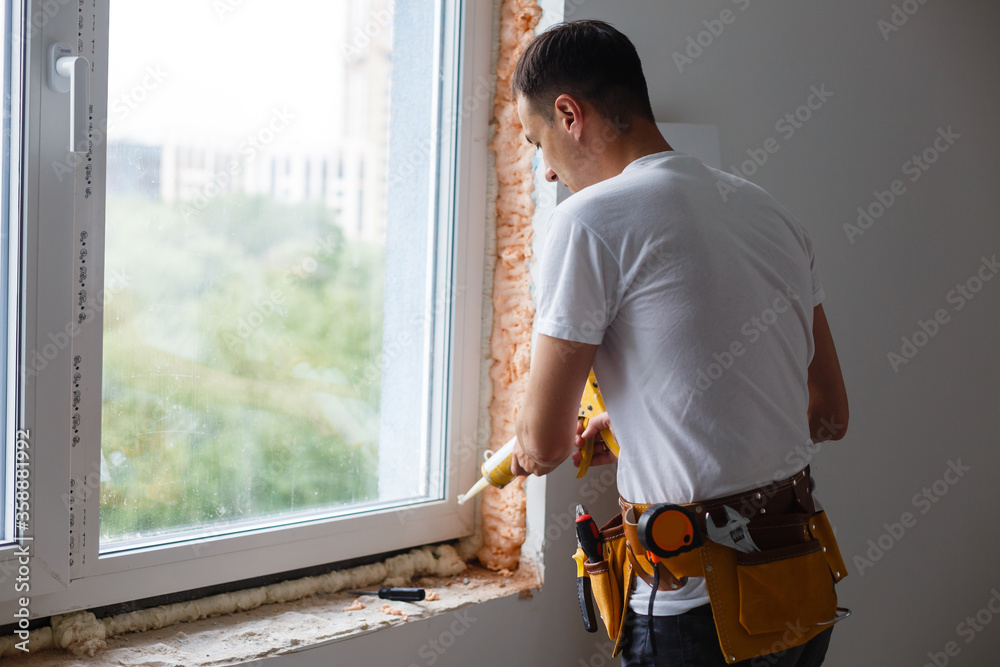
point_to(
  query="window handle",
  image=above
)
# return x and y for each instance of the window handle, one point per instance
(71, 74)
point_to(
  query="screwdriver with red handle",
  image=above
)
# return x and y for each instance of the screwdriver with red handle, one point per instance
(589, 539)
(588, 535)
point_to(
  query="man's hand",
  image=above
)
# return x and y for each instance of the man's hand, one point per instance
(522, 465)
(602, 454)
(546, 424)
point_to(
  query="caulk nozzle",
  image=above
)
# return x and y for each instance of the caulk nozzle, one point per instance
(474, 491)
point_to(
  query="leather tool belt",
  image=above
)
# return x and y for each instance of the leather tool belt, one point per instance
(763, 601)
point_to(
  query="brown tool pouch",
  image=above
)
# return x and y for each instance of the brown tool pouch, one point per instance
(607, 595)
(770, 584)
(763, 601)
(611, 579)
(775, 599)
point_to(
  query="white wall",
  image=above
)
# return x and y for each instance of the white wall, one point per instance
(940, 69)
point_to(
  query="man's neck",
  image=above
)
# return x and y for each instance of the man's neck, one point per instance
(642, 139)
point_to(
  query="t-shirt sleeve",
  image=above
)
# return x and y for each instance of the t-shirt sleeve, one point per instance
(578, 282)
(817, 284)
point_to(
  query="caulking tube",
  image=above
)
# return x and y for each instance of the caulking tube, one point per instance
(496, 471)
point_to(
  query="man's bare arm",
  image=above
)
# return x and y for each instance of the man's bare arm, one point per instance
(828, 409)
(547, 422)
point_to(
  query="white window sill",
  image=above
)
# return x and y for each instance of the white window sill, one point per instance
(289, 627)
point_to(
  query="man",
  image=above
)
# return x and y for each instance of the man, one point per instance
(694, 296)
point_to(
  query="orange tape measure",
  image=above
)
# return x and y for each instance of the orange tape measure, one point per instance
(668, 530)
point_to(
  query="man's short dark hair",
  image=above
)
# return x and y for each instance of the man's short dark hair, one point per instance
(590, 60)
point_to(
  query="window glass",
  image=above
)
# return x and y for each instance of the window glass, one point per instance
(245, 266)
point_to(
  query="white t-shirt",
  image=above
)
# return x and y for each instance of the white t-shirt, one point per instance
(699, 288)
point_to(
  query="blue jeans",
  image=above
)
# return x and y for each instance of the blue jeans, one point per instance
(689, 640)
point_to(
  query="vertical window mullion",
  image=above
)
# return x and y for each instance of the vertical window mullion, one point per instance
(9, 320)
(50, 343)
(90, 294)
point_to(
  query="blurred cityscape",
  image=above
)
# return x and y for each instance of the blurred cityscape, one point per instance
(347, 173)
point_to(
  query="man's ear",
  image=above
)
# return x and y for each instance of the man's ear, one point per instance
(569, 115)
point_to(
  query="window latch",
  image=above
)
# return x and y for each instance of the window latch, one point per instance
(71, 74)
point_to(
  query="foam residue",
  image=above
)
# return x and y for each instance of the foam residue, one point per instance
(503, 511)
(81, 633)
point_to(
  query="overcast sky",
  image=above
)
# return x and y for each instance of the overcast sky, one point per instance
(213, 77)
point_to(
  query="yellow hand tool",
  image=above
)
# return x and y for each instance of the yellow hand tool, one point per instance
(591, 405)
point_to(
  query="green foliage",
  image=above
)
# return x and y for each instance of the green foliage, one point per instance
(232, 351)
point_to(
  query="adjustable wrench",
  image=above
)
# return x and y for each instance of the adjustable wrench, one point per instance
(733, 534)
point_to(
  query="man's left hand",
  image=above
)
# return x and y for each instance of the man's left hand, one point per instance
(602, 454)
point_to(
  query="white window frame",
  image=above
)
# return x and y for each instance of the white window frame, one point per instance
(66, 570)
